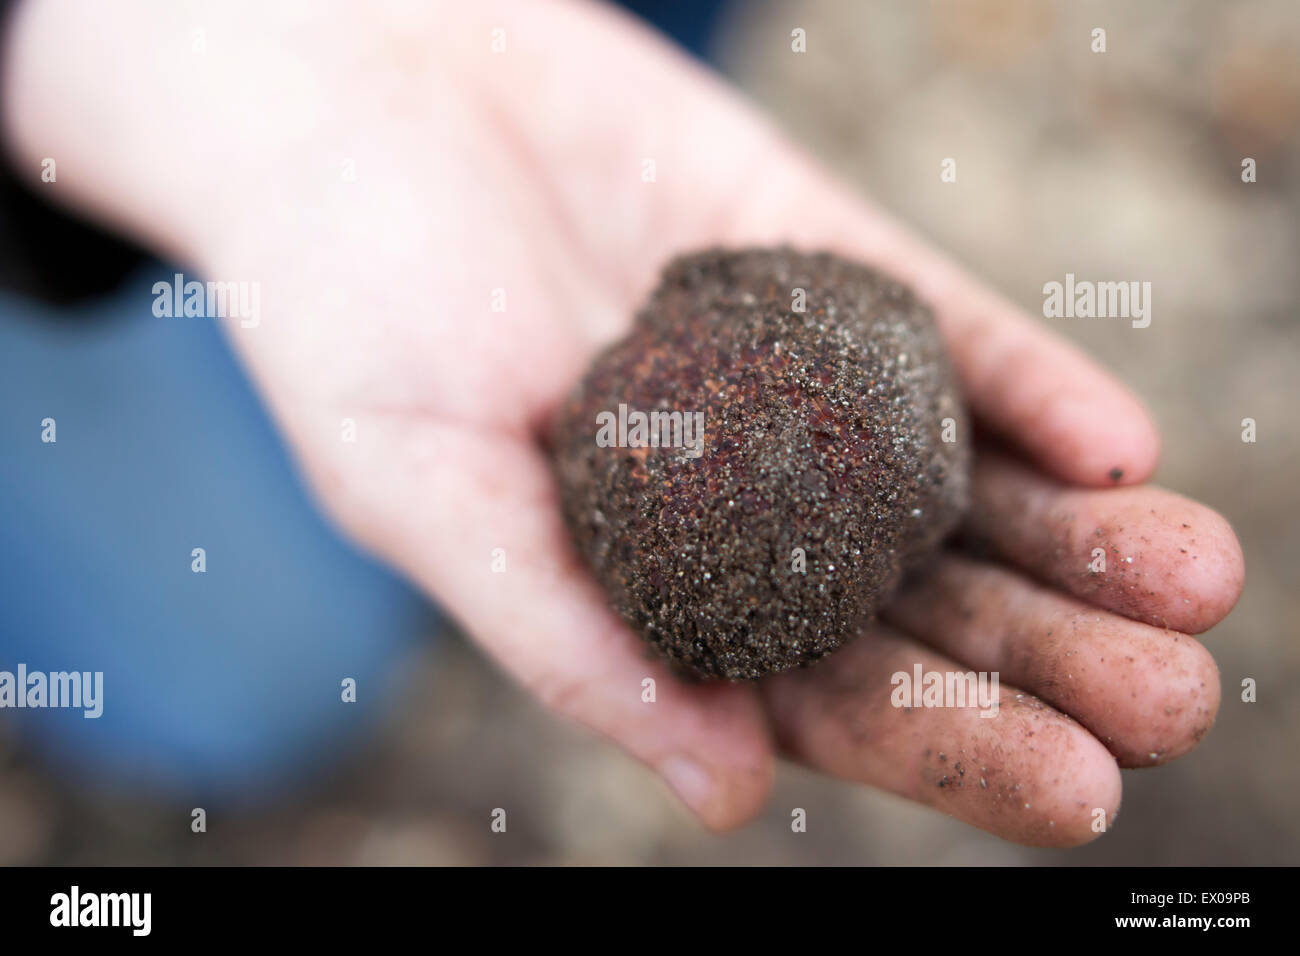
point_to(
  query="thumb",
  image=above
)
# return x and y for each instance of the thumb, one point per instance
(478, 526)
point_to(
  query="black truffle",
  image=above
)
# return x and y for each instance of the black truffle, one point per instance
(833, 455)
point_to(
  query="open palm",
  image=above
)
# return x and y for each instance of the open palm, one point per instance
(507, 213)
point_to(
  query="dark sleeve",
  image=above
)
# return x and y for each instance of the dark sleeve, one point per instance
(44, 251)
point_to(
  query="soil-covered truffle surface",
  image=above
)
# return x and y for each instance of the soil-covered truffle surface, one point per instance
(822, 472)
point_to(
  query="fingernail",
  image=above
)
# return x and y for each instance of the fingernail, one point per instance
(689, 780)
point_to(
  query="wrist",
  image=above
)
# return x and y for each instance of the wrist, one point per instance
(162, 122)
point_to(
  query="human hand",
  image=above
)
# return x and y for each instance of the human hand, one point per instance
(522, 171)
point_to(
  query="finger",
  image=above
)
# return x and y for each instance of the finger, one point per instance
(1145, 553)
(487, 540)
(1149, 695)
(1022, 382)
(1028, 773)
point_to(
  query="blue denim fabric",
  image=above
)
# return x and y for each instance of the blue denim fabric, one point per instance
(228, 681)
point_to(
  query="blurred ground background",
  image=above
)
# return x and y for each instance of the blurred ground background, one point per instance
(1123, 165)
